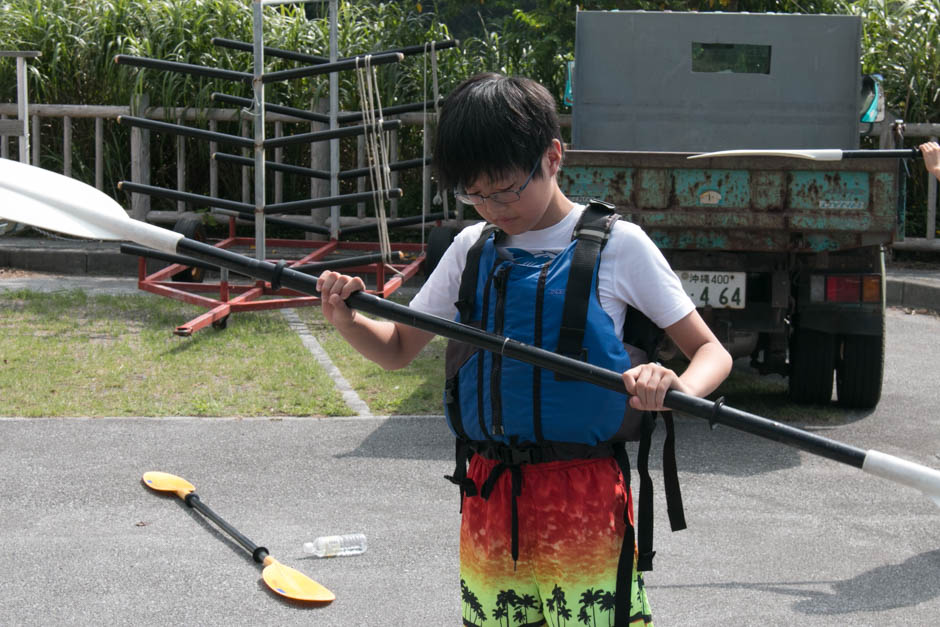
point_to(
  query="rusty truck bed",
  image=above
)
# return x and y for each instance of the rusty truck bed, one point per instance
(764, 204)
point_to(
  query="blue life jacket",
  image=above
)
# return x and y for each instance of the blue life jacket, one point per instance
(546, 302)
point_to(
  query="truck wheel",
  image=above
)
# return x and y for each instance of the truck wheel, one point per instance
(860, 370)
(812, 361)
(439, 240)
(193, 228)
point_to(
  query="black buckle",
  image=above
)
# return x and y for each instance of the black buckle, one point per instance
(519, 456)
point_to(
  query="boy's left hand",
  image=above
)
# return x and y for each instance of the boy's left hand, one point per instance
(647, 385)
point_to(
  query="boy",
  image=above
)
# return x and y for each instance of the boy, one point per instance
(544, 499)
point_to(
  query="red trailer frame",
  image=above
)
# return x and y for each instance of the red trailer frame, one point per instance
(259, 296)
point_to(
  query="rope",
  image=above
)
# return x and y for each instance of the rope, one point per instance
(376, 149)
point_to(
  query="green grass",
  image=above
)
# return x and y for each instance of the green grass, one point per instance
(416, 389)
(72, 354)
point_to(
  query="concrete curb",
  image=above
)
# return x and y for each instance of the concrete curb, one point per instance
(66, 257)
(913, 293)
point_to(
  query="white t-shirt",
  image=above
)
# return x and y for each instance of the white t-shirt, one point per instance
(633, 272)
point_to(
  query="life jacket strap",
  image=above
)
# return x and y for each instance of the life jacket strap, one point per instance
(671, 476)
(591, 234)
(623, 593)
(460, 478)
(471, 271)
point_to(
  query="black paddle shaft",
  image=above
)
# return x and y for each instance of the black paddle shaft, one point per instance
(714, 412)
(258, 553)
(901, 153)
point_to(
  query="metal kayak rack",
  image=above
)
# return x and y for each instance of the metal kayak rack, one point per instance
(183, 279)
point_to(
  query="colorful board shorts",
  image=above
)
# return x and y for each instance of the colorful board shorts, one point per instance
(571, 533)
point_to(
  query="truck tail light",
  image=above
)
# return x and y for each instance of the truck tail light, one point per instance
(843, 289)
(846, 288)
(871, 288)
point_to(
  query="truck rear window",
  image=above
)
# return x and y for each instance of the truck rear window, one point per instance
(730, 58)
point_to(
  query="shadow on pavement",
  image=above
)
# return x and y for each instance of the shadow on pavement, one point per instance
(883, 588)
(417, 437)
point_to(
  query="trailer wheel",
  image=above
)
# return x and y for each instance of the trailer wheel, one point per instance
(439, 241)
(860, 370)
(193, 228)
(812, 361)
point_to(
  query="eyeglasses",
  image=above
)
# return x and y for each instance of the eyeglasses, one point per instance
(503, 198)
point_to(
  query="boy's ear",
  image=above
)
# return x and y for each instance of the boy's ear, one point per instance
(554, 157)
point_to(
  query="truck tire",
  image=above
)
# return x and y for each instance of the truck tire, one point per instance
(439, 240)
(860, 371)
(812, 362)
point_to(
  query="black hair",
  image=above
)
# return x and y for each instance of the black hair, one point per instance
(493, 125)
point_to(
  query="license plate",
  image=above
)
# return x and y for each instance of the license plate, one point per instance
(720, 290)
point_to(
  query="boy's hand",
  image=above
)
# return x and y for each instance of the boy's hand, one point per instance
(647, 385)
(334, 289)
(931, 152)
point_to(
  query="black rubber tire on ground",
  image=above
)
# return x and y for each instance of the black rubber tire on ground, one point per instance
(860, 370)
(812, 362)
(439, 241)
(193, 228)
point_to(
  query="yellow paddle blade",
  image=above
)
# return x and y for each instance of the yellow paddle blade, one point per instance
(165, 482)
(293, 584)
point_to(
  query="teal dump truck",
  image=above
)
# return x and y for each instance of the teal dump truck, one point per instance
(784, 257)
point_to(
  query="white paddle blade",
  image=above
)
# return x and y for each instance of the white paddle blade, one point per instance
(814, 155)
(47, 200)
(892, 468)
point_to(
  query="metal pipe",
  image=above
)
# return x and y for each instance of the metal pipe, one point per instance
(345, 131)
(398, 222)
(143, 251)
(189, 131)
(268, 51)
(346, 262)
(195, 199)
(312, 173)
(334, 117)
(329, 201)
(257, 111)
(313, 116)
(312, 58)
(183, 68)
(328, 68)
(277, 167)
(303, 226)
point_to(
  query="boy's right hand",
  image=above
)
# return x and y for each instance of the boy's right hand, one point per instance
(334, 289)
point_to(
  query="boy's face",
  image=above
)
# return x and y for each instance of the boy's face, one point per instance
(531, 212)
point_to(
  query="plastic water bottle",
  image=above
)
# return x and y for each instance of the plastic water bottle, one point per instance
(337, 546)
